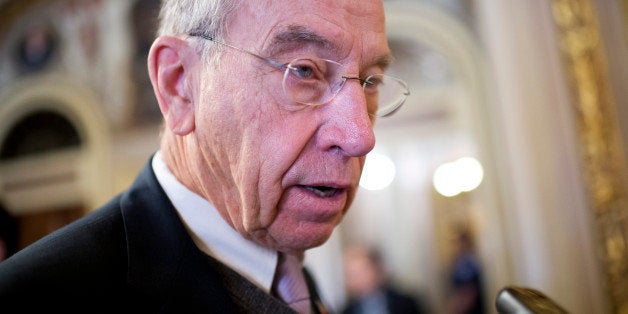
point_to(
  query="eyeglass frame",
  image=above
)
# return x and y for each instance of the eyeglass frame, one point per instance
(284, 67)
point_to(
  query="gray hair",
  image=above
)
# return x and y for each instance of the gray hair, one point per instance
(209, 17)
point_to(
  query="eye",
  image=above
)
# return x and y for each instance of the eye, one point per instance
(302, 71)
(306, 69)
(372, 83)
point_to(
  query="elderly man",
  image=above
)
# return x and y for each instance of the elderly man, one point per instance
(269, 109)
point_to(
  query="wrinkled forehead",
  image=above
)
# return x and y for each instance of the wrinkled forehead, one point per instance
(340, 28)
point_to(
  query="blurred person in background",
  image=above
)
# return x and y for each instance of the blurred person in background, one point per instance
(369, 290)
(268, 111)
(466, 292)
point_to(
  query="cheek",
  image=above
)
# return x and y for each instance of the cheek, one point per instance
(267, 149)
(283, 148)
(289, 143)
(277, 153)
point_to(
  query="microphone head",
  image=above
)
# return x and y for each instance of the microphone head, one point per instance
(523, 300)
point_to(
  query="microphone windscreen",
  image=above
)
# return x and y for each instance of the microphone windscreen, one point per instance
(523, 300)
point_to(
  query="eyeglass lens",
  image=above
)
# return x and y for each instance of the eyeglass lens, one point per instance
(317, 81)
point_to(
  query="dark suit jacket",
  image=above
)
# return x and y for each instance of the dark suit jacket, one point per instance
(132, 254)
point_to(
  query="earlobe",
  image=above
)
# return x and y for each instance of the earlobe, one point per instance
(171, 73)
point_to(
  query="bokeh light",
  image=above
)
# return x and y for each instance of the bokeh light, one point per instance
(462, 175)
(379, 172)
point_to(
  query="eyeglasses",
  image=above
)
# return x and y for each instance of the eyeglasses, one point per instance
(315, 81)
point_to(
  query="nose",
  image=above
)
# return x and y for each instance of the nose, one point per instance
(348, 125)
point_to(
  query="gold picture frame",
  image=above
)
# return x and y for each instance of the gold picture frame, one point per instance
(601, 145)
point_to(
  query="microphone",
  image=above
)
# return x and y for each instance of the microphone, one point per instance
(523, 300)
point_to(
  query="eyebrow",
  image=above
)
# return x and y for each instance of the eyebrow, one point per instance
(296, 36)
(384, 61)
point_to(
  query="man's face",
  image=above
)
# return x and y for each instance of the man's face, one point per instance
(283, 175)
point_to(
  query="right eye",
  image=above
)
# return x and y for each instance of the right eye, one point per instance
(305, 69)
(302, 71)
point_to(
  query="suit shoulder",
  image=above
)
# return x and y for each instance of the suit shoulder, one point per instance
(90, 249)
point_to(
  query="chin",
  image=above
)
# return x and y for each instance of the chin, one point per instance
(315, 238)
(303, 239)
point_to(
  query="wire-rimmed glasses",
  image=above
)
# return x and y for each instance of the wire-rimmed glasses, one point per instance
(316, 81)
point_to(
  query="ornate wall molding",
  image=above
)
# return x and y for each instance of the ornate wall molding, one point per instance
(600, 140)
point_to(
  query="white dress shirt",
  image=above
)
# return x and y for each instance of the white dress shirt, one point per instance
(213, 235)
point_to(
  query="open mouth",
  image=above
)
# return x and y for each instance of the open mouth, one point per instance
(322, 191)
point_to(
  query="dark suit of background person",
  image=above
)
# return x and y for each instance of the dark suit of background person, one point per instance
(368, 288)
(268, 113)
(393, 301)
(466, 282)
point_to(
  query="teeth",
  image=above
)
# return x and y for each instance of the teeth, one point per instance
(322, 191)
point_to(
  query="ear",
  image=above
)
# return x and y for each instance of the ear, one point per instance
(171, 64)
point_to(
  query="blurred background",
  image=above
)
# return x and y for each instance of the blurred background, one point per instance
(514, 134)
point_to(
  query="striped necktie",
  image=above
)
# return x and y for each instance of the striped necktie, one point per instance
(290, 285)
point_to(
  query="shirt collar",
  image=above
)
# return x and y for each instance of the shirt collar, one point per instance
(213, 235)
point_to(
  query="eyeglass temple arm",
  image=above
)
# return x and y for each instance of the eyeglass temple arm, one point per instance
(269, 61)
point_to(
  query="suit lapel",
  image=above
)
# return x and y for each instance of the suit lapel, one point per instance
(164, 260)
(317, 303)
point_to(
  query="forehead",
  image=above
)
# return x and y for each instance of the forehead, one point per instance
(342, 28)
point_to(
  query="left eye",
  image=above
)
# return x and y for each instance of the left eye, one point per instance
(372, 82)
